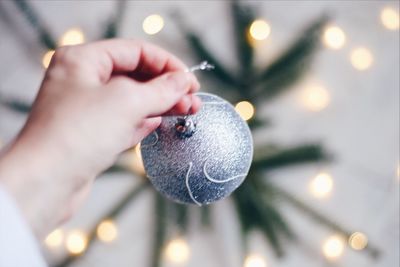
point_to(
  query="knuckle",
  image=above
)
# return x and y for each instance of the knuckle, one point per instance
(69, 56)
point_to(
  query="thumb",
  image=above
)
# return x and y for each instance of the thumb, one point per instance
(161, 94)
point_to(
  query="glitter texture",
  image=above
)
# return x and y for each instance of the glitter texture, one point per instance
(205, 167)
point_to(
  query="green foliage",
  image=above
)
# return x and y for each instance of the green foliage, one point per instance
(293, 63)
(113, 213)
(30, 14)
(160, 231)
(269, 156)
(16, 105)
(111, 30)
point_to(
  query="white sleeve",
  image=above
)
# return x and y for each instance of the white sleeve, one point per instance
(18, 246)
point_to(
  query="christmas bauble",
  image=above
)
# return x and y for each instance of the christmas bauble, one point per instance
(200, 158)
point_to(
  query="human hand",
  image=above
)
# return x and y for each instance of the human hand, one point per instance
(96, 100)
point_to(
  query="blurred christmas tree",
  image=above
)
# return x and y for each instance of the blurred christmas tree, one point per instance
(256, 199)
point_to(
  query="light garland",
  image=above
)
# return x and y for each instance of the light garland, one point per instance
(314, 97)
(334, 37)
(254, 260)
(177, 251)
(321, 185)
(245, 109)
(361, 58)
(76, 242)
(333, 247)
(72, 36)
(390, 18)
(107, 231)
(55, 239)
(259, 30)
(153, 24)
(358, 241)
(47, 58)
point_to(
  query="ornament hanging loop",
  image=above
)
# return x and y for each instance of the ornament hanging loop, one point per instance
(185, 127)
(202, 66)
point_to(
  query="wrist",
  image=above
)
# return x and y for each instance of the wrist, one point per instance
(21, 174)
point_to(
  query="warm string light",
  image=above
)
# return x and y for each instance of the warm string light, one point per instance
(245, 109)
(259, 30)
(76, 242)
(47, 58)
(390, 18)
(321, 185)
(107, 231)
(55, 239)
(177, 251)
(333, 247)
(358, 241)
(334, 37)
(73, 36)
(361, 58)
(153, 24)
(315, 97)
(254, 260)
(137, 161)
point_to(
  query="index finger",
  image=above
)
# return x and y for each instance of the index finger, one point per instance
(132, 57)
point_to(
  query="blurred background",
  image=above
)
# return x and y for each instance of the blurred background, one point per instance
(318, 83)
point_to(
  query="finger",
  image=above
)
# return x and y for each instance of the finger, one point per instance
(131, 56)
(146, 127)
(196, 104)
(161, 94)
(189, 104)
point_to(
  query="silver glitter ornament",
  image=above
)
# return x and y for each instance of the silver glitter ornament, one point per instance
(201, 158)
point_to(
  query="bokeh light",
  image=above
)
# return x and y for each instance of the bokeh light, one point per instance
(334, 37)
(333, 247)
(358, 241)
(315, 97)
(321, 185)
(153, 24)
(245, 109)
(107, 231)
(47, 58)
(55, 239)
(73, 36)
(137, 161)
(259, 30)
(254, 260)
(390, 18)
(177, 251)
(76, 242)
(361, 58)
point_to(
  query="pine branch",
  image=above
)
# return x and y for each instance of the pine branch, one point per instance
(205, 216)
(112, 27)
(373, 251)
(202, 53)
(255, 212)
(15, 105)
(266, 194)
(160, 229)
(179, 215)
(112, 214)
(291, 66)
(243, 16)
(269, 157)
(32, 17)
